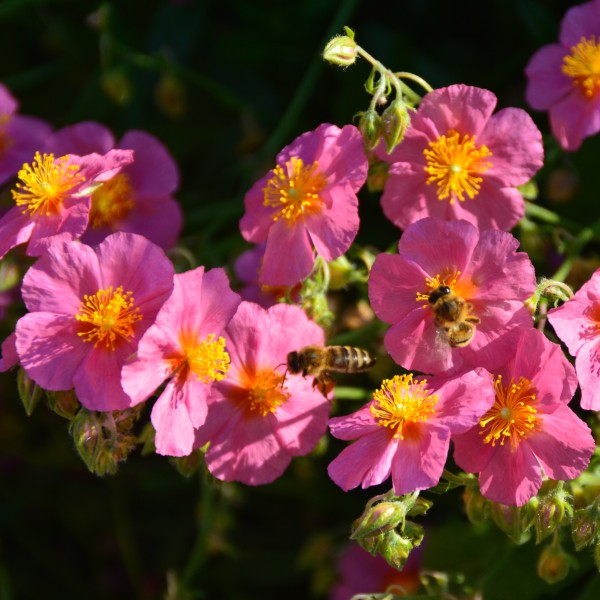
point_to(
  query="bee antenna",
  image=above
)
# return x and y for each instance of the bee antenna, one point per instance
(283, 380)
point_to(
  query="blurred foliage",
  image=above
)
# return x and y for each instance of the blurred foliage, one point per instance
(225, 85)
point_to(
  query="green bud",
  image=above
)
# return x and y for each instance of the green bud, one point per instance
(378, 174)
(341, 273)
(414, 532)
(585, 525)
(370, 544)
(476, 506)
(378, 519)
(554, 563)
(395, 549)
(420, 507)
(371, 127)
(508, 519)
(341, 50)
(554, 511)
(64, 404)
(9, 276)
(529, 190)
(188, 465)
(29, 392)
(396, 121)
(170, 95)
(116, 84)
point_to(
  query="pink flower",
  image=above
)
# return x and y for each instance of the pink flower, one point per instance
(577, 324)
(530, 431)
(185, 345)
(9, 354)
(458, 161)
(88, 310)
(405, 430)
(361, 573)
(482, 269)
(20, 136)
(53, 198)
(259, 418)
(307, 203)
(139, 199)
(564, 78)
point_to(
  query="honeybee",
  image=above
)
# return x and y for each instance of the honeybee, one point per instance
(319, 361)
(453, 316)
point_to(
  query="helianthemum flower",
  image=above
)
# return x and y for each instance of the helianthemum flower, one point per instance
(479, 283)
(87, 311)
(139, 199)
(564, 78)
(184, 344)
(20, 136)
(53, 198)
(458, 161)
(404, 432)
(307, 203)
(577, 324)
(259, 418)
(529, 431)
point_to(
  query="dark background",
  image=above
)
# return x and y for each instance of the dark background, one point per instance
(225, 85)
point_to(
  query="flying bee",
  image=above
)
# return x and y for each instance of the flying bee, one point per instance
(320, 361)
(453, 316)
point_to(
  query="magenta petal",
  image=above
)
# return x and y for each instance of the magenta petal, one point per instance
(83, 138)
(49, 349)
(170, 418)
(580, 21)
(15, 229)
(454, 244)
(587, 364)
(97, 381)
(420, 460)
(257, 219)
(9, 352)
(355, 425)
(564, 444)
(153, 172)
(247, 451)
(470, 453)
(393, 285)
(302, 420)
(547, 84)
(366, 462)
(512, 477)
(464, 108)
(574, 118)
(289, 257)
(333, 231)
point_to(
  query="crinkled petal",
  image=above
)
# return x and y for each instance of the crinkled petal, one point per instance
(15, 229)
(547, 84)
(366, 462)
(573, 118)
(9, 352)
(87, 137)
(355, 425)
(587, 365)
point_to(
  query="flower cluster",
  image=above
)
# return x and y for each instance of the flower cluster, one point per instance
(109, 319)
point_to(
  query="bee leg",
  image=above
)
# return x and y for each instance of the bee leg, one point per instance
(325, 382)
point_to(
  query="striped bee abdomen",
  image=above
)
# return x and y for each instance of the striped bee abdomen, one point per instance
(347, 359)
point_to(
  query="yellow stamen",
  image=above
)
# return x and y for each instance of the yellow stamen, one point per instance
(513, 416)
(400, 403)
(265, 392)
(208, 359)
(109, 316)
(454, 164)
(46, 183)
(583, 66)
(450, 279)
(294, 190)
(111, 202)
(5, 140)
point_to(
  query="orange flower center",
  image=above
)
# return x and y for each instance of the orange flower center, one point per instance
(107, 317)
(400, 404)
(454, 164)
(513, 416)
(265, 392)
(46, 184)
(465, 288)
(5, 140)
(111, 202)
(206, 359)
(583, 66)
(294, 191)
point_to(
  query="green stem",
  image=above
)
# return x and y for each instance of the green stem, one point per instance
(419, 80)
(584, 237)
(307, 85)
(199, 551)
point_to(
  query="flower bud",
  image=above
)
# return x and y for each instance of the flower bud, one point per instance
(378, 519)
(29, 392)
(476, 506)
(395, 549)
(396, 121)
(188, 465)
(555, 509)
(341, 273)
(341, 50)
(508, 519)
(117, 86)
(64, 404)
(585, 526)
(554, 563)
(170, 96)
(378, 174)
(420, 507)
(371, 127)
